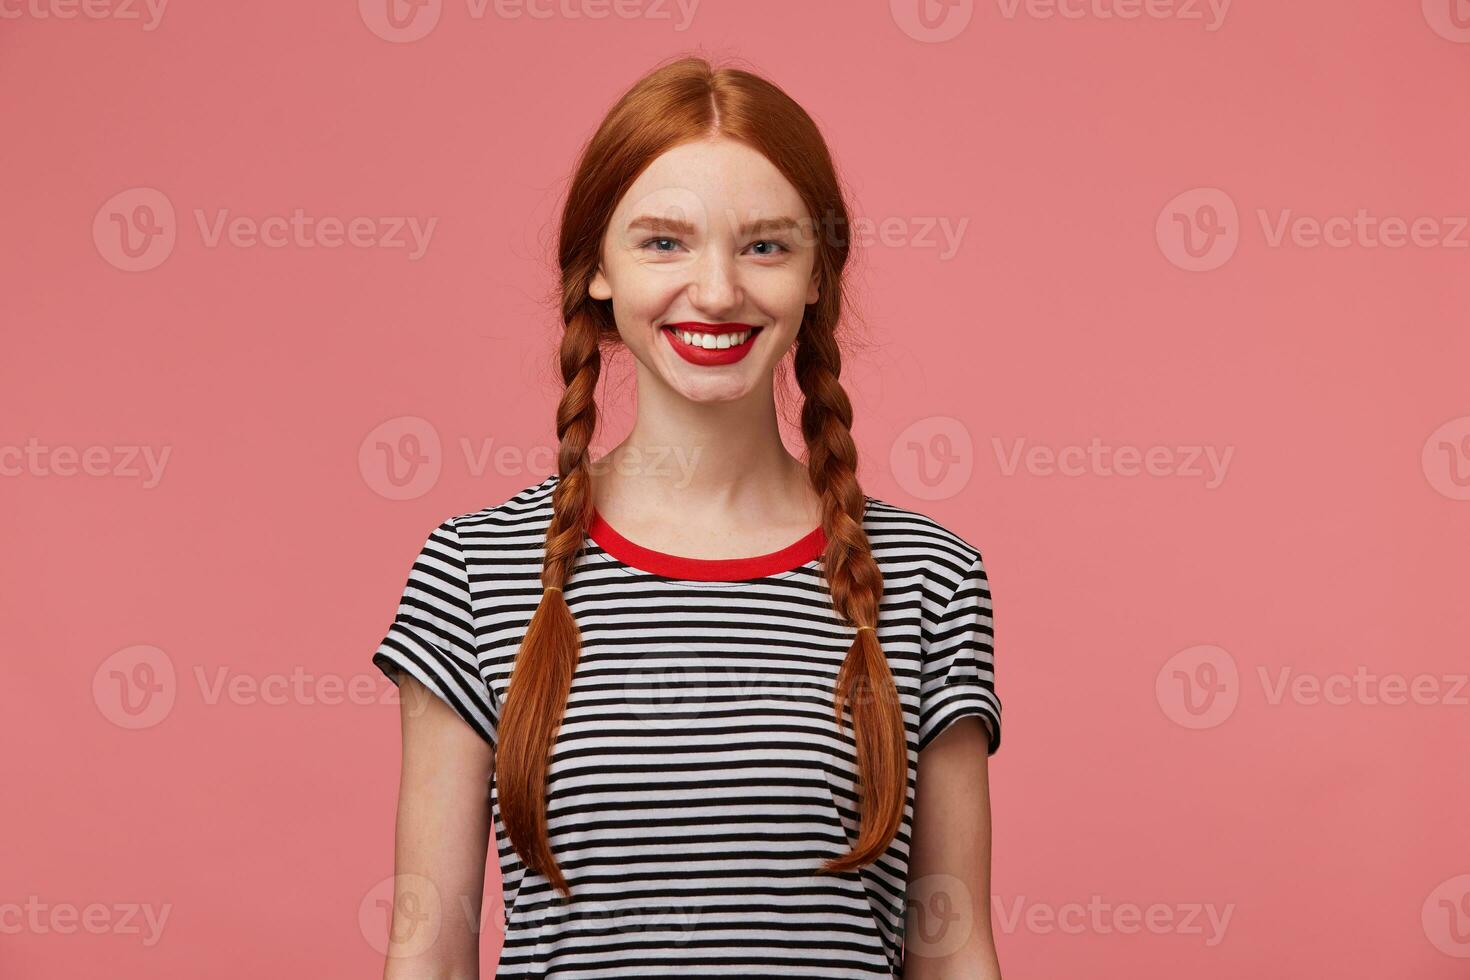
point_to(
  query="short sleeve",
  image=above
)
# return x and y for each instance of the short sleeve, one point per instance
(433, 635)
(959, 661)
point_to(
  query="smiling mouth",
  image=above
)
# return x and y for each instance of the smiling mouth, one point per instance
(712, 336)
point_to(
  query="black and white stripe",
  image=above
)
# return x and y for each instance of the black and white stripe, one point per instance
(698, 778)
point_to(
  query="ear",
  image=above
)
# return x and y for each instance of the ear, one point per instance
(599, 288)
(811, 291)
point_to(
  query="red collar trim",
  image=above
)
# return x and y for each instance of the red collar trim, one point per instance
(788, 558)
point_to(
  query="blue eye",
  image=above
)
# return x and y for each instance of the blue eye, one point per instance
(765, 247)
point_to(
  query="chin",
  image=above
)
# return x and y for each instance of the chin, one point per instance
(711, 390)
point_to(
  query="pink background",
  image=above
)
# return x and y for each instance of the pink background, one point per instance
(271, 551)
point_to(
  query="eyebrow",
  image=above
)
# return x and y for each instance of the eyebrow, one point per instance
(678, 226)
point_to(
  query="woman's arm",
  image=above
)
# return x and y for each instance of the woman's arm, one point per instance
(947, 930)
(442, 839)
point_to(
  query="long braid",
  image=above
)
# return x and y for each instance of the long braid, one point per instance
(548, 655)
(865, 682)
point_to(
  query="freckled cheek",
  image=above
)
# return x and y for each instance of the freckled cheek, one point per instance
(640, 304)
(780, 296)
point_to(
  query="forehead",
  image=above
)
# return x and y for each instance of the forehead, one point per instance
(710, 179)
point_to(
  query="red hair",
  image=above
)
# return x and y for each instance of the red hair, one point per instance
(684, 101)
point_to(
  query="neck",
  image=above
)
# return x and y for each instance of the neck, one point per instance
(704, 461)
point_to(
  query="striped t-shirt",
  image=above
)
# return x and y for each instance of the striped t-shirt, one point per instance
(698, 779)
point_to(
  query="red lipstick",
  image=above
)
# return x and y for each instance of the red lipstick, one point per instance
(697, 353)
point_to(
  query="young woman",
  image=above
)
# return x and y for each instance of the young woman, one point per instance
(728, 715)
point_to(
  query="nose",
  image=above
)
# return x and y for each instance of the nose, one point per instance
(714, 289)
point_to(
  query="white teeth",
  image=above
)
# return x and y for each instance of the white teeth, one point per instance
(712, 341)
